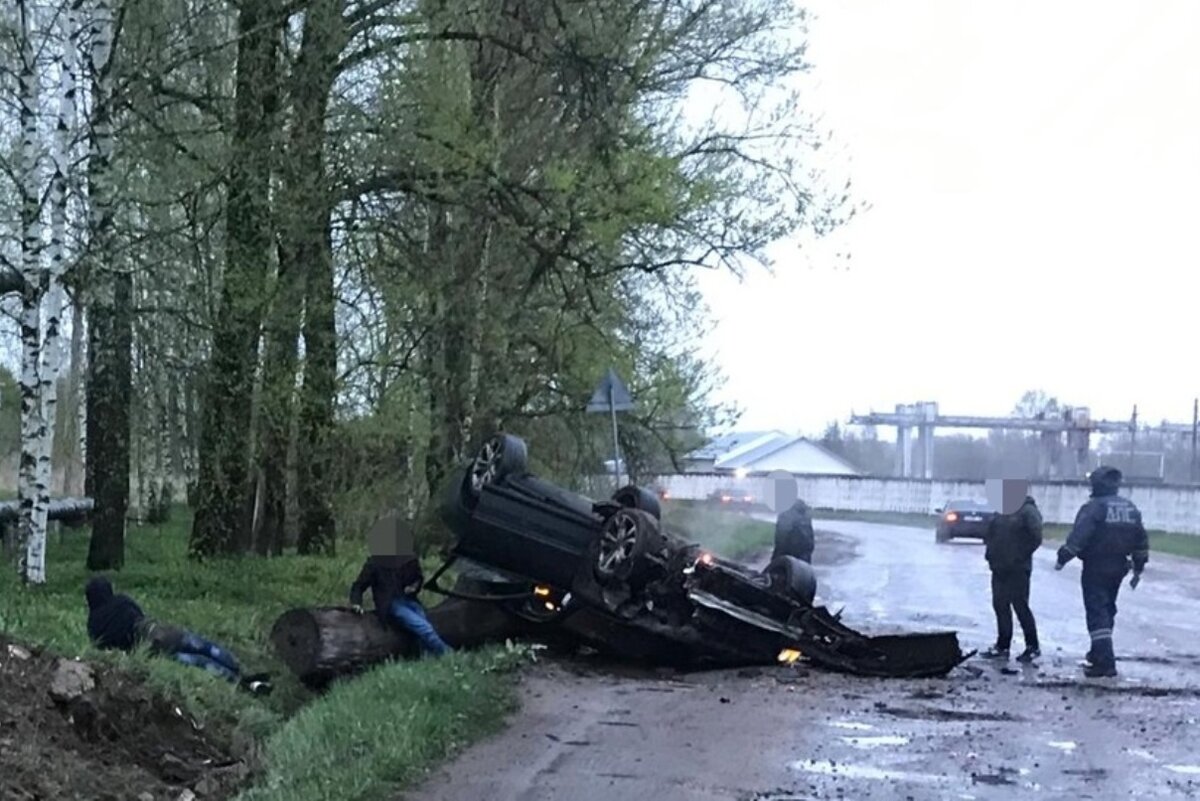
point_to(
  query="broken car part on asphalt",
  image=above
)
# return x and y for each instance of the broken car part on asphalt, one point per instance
(607, 573)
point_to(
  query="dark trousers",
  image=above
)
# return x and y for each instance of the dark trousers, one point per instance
(1010, 593)
(1101, 584)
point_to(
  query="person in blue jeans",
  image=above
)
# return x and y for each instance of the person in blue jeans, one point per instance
(116, 622)
(392, 572)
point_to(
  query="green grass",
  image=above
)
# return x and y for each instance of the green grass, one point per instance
(1160, 541)
(383, 728)
(728, 534)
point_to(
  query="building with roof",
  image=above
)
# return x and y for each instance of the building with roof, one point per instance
(765, 452)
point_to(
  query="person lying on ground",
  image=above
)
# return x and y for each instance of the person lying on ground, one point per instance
(392, 572)
(116, 622)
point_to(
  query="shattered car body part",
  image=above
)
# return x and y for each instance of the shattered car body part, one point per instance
(630, 588)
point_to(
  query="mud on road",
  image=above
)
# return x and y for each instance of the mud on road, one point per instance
(784, 734)
(116, 742)
(590, 731)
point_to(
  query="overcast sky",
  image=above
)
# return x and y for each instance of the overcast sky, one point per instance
(1033, 171)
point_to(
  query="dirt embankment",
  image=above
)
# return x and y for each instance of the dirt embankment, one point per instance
(71, 731)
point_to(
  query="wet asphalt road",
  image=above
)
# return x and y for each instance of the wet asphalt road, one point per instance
(587, 732)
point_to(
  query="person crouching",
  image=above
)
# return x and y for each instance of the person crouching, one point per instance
(392, 572)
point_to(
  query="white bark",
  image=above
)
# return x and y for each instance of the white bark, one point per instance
(53, 344)
(32, 491)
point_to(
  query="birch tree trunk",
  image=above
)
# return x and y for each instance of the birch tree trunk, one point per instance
(110, 330)
(33, 497)
(52, 347)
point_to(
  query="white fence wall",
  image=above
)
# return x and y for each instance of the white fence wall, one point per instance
(1164, 508)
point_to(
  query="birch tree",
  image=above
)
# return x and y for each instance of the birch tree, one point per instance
(52, 346)
(33, 493)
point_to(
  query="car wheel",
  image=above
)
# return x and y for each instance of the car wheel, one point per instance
(793, 577)
(620, 549)
(635, 497)
(500, 456)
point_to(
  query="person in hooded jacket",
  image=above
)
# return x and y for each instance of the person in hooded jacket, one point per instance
(794, 534)
(1109, 538)
(1012, 540)
(117, 622)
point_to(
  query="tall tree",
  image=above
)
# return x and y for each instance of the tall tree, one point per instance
(33, 494)
(221, 524)
(108, 285)
(306, 260)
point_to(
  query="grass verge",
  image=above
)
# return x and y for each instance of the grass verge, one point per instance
(384, 728)
(728, 534)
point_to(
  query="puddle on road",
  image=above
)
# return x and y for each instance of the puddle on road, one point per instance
(827, 767)
(871, 742)
(846, 724)
(1187, 770)
(1067, 746)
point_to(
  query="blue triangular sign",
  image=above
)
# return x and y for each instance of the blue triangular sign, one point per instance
(610, 395)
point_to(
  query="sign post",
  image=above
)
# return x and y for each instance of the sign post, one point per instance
(612, 396)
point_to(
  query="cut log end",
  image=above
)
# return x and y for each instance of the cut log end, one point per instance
(320, 644)
(296, 637)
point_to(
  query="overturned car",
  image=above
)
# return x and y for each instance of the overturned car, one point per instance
(608, 574)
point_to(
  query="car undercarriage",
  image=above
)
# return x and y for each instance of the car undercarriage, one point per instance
(607, 574)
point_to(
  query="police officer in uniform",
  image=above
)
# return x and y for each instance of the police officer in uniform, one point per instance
(1108, 536)
(794, 534)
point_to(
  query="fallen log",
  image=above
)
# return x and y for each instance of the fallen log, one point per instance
(320, 644)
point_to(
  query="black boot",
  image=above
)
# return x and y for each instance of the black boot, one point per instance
(1030, 653)
(1102, 662)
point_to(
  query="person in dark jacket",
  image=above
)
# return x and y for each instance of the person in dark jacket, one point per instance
(1012, 540)
(794, 533)
(116, 622)
(1108, 537)
(393, 574)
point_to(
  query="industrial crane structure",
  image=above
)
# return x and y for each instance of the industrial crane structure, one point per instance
(1075, 422)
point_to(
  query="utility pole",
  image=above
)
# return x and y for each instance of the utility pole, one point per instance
(1132, 438)
(1195, 425)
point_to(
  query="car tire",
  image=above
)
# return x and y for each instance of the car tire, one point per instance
(500, 456)
(618, 555)
(793, 577)
(635, 497)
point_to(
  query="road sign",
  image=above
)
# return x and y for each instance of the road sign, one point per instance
(611, 395)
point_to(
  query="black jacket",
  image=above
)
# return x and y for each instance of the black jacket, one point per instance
(114, 621)
(388, 578)
(1012, 539)
(1108, 529)
(794, 533)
